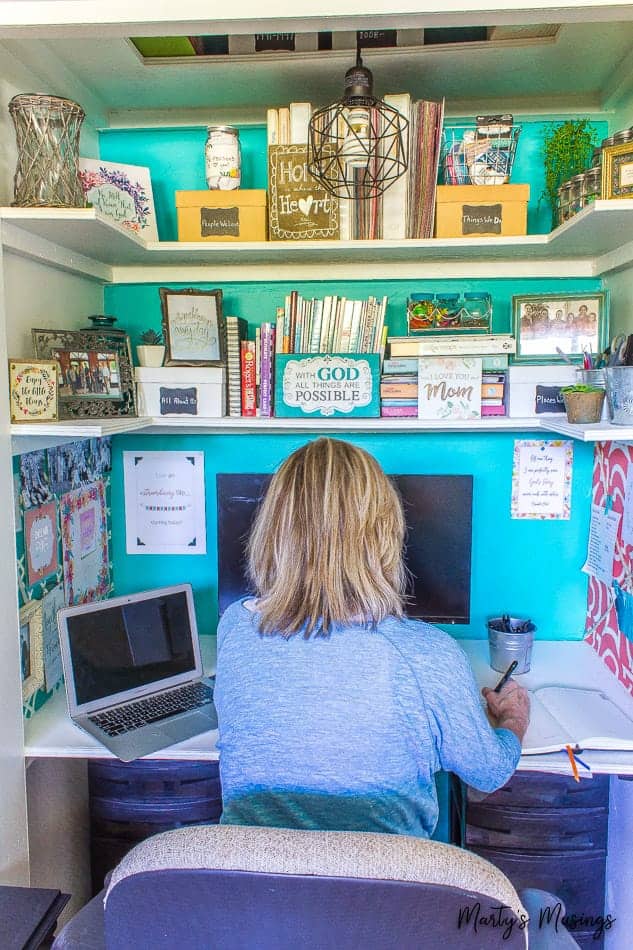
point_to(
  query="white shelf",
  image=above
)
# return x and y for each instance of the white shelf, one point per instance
(28, 436)
(594, 432)
(597, 240)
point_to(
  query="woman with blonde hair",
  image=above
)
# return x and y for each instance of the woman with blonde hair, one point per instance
(336, 710)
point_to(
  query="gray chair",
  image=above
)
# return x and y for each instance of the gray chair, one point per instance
(228, 887)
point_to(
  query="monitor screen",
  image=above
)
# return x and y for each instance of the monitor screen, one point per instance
(118, 648)
(438, 512)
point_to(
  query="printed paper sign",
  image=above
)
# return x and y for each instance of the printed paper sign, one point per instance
(164, 503)
(51, 603)
(541, 479)
(603, 532)
(86, 561)
(449, 387)
(122, 193)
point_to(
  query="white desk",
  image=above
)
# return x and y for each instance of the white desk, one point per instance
(50, 733)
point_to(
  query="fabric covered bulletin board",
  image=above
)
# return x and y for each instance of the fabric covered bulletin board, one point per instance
(609, 623)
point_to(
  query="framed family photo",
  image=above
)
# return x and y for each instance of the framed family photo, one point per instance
(193, 327)
(549, 327)
(95, 371)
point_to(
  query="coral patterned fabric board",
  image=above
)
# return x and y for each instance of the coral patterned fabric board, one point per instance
(609, 623)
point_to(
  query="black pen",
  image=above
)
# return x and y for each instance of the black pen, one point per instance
(506, 676)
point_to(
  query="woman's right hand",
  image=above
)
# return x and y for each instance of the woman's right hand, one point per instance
(509, 708)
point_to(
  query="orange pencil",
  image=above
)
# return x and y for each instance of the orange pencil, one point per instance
(574, 767)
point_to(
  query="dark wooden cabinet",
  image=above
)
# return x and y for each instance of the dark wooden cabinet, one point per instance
(544, 831)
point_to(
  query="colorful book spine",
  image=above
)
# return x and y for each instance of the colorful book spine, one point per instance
(249, 378)
(236, 331)
(402, 412)
(266, 370)
(399, 390)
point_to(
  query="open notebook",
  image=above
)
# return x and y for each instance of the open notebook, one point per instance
(561, 715)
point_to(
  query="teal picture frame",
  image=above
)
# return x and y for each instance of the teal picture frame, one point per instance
(557, 328)
(327, 385)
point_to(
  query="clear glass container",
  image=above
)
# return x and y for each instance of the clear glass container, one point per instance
(563, 202)
(447, 310)
(576, 195)
(592, 186)
(420, 312)
(477, 310)
(223, 159)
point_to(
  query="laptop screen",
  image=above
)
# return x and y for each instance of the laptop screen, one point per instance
(119, 647)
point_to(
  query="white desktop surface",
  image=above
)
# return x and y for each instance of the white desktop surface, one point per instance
(51, 733)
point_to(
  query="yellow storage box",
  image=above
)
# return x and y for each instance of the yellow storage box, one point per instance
(238, 215)
(481, 210)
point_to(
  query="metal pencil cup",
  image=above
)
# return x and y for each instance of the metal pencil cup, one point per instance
(508, 645)
(620, 394)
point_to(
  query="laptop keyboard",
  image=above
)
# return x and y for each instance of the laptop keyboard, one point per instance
(116, 722)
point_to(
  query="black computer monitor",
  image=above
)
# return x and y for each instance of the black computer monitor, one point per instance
(438, 512)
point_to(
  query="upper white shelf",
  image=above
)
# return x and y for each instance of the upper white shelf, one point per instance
(597, 240)
(28, 437)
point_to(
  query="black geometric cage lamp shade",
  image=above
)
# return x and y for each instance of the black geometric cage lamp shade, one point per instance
(357, 147)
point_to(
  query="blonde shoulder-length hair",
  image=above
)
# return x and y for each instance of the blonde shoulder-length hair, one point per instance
(327, 541)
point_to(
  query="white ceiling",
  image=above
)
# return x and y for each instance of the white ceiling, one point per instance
(586, 67)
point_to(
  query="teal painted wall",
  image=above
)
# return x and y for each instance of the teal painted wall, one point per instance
(175, 158)
(518, 566)
(137, 306)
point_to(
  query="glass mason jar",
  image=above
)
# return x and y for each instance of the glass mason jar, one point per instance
(222, 158)
(563, 211)
(576, 193)
(592, 188)
(624, 135)
(447, 310)
(596, 157)
(420, 312)
(477, 310)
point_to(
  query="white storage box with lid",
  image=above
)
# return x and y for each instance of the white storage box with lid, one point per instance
(181, 390)
(533, 389)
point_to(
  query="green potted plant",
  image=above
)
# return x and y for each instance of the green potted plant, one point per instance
(583, 403)
(151, 350)
(567, 150)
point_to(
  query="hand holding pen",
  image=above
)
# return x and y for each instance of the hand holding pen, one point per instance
(509, 704)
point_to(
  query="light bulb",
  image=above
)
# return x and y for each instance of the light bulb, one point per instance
(356, 145)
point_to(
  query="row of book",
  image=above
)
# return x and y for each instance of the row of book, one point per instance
(330, 325)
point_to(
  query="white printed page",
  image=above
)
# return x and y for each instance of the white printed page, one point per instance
(594, 721)
(545, 733)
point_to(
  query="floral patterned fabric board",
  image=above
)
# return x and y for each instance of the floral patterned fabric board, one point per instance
(122, 193)
(609, 623)
(85, 544)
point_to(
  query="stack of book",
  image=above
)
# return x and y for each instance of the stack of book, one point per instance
(399, 388)
(493, 393)
(453, 344)
(257, 368)
(331, 325)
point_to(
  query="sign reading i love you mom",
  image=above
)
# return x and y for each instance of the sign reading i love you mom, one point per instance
(299, 208)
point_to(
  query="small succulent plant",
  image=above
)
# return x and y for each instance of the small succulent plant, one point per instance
(151, 338)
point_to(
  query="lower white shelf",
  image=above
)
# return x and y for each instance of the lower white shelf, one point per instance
(26, 437)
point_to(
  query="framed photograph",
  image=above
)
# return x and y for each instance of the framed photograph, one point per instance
(31, 652)
(95, 375)
(548, 327)
(33, 389)
(193, 327)
(617, 171)
(123, 193)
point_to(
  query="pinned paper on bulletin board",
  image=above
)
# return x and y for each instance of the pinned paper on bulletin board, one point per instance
(603, 533)
(541, 479)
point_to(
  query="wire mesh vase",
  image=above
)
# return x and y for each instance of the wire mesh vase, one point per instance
(47, 131)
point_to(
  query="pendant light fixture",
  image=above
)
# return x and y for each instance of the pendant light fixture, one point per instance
(357, 145)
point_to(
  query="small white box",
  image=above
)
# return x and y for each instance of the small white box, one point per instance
(181, 391)
(523, 381)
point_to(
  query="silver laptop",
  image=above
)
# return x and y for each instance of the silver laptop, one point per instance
(133, 671)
